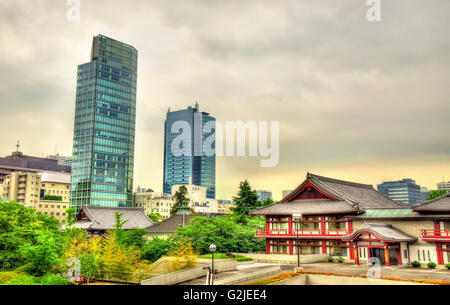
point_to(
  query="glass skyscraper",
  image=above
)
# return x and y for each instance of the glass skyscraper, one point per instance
(406, 191)
(105, 116)
(197, 168)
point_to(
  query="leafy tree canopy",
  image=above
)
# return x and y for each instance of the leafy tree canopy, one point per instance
(155, 217)
(436, 194)
(246, 200)
(228, 233)
(21, 226)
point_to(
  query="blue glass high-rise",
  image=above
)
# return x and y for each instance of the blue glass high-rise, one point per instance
(198, 167)
(105, 119)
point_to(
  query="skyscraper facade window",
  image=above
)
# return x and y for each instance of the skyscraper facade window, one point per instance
(196, 167)
(104, 133)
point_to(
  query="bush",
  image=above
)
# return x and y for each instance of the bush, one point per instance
(431, 265)
(156, 248)
(55, 280)
(340, 260)
(416, 264)
(447, 266)
(331, 259)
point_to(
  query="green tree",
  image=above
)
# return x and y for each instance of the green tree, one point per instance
(156, 248)
(229, 233)
(180, 200)
(135, 237)
(155, 217)
(71, 218)
(268, 201)
(246, 200)
(436, 194)
(43, 256)
(21, 226)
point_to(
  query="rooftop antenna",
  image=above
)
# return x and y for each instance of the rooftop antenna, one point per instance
(197, 106)
(18, 145)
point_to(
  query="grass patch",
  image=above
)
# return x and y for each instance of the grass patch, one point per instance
(239, 258)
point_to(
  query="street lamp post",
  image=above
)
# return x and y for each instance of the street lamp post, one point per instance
(297, 218)
(213, 249)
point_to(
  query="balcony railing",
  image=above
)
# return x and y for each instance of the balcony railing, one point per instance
(301, 232)
(434, 234)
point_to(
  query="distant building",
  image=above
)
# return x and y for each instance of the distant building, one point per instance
(18, 162)
(54, 185)
(195, 165)
(198, 198)
(224, 206)
(61, 159)
(23, 188)
(152, 202)
(264, 195)
(443, 186)
(405, 191)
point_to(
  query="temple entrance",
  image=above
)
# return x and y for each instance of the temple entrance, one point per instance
(393, 256)
(379, 253)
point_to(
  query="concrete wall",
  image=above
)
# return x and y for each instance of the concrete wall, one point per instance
(248, 277)
(190, 274)
(287, 259)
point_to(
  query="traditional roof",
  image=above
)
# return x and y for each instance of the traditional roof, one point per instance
(396, 214)
(336, 197)
(172, 224)
(383, 231)
(104, 218)
(308, 207)
(441, 204)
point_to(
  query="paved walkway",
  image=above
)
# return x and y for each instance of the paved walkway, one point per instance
(247, 268)
(402, 272)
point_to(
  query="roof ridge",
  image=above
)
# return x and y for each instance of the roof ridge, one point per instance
(322, 178)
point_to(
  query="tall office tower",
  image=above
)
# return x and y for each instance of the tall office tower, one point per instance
(196, 167)
(105, 119)
(405, 191)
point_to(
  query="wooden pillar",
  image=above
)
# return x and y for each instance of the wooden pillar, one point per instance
(350, 226)
(324, 247)
(267, 225)
(267, 246)
(291, 247)
(356, 254)
(386, 256)
(350, 250)
(399, 254)
(440, 255)
(290, 226)
(323, 226)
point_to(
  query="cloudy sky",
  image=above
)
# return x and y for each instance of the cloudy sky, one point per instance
(361, 101)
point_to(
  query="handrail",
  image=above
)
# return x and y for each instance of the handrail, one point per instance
(432, 233)
(302, 232)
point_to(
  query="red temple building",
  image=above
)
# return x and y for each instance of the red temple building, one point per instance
(356, 222)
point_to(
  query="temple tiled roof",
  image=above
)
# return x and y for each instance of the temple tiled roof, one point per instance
(309, 207)
(351, 198)
(441, 204)
(104, 218)
(364, 194)
(383, 231)
(171, 224)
